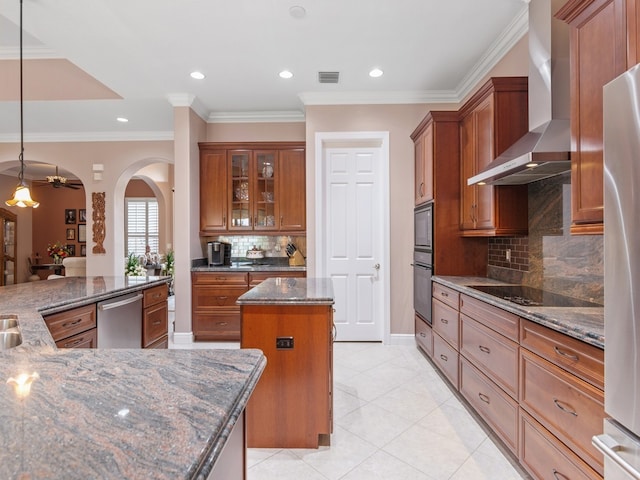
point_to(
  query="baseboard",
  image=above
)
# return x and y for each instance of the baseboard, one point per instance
(405, 339)
(182, 338)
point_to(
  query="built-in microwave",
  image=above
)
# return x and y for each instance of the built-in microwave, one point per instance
(423, 227)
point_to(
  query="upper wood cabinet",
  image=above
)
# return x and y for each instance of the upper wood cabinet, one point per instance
(437, 165)
(248, 187)
(491, 121)
(604, 43)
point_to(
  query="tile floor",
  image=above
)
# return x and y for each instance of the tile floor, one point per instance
(394, 418)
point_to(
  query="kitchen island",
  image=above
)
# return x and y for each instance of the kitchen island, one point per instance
(113, 414)
(291, 321)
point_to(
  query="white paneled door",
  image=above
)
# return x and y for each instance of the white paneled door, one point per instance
(353, 240)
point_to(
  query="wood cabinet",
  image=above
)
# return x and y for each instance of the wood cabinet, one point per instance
(292, 405)
(491, 121)
(8, 247)
(604, 43)
(424, 335)
(437, 167)
(155, 317)
(249, 187)
(215, 315)
(539, 390)
(74, 328)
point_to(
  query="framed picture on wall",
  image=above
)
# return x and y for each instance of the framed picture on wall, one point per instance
(70, 216)
(82, 215)
(83, 250)
(71, 233)
(72, 249)
(82, 233)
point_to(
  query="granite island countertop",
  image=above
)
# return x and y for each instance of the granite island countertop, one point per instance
(113, 414)
(268, 264)
(583, 323)
(285, 291)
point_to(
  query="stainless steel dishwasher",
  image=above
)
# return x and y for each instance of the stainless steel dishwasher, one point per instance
(120, 322)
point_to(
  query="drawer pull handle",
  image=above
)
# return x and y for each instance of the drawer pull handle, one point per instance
(559, 476)
(158, 322)
(423, 335)
(71, 324)
(563, 408)
(223, 298)
(222, 324)
(484, 398)
(444, 320)
(444, 294)
(565, 354)
(74, 343)
(444, 357)
(484, 349)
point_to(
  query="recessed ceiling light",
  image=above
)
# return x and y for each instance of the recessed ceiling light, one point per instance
(197, 75)
(375, 73)
(122, 119)
(285, 74)
(297, 11)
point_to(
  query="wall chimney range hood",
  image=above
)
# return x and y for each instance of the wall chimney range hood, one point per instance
(543, 152)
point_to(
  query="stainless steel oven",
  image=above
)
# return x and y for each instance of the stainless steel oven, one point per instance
(423, 227)
(422, 271)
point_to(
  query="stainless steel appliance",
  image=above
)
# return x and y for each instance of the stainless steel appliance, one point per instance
(620, 441)
(218, 253)
(532, 297)
(423, 261)
(120, 322)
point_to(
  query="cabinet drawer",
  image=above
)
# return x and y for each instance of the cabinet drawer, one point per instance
(154, 323)
(256, 278)
(209, 297)
(222, 325)
(424, 335)
(498, 409)
(583, 360)
(446, 295)
(155, 295)
(495, 318)
(446, 358)
(545, 457)
(446, 322)
(495, 355)
(68, 323)
(81, 340)
(570, 408)
(220, 278)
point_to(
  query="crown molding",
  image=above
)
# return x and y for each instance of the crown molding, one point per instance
(284, 116)
(188, 100)
(378, 98)
(90, 137)
(28, 53)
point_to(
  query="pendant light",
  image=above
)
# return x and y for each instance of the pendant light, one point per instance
(22, 196)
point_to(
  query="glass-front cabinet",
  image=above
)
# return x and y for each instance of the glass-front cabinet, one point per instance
(253, 204)
(8, 227)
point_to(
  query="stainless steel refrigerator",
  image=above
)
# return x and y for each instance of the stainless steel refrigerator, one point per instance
(620, 441)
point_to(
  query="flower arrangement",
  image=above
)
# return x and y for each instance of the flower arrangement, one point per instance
(57, 251)
(168, 262)
(133, 268)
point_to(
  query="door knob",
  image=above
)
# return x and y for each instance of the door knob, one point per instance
(377, 266)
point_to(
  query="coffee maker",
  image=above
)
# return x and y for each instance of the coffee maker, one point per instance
(218, 253)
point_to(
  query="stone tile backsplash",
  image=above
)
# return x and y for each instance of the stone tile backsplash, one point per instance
(571, 265)
(272, 246)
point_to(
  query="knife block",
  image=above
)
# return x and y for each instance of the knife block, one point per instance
(296, 260)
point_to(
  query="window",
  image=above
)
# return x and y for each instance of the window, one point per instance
(141, 220)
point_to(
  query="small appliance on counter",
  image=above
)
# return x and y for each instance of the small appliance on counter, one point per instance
(295, 257)
(255, 253)
(218, 253)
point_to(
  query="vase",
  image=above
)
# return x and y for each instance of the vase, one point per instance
(57, 260)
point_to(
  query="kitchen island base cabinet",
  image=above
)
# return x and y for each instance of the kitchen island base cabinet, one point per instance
(292, 404)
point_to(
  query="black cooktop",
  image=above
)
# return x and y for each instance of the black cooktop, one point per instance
(532, 297)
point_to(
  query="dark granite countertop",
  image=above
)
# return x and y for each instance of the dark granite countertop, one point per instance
(582, 323)
(113, 414)
(285, 291)
(239, 264)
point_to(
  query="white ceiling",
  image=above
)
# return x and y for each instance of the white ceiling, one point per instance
(89, 61)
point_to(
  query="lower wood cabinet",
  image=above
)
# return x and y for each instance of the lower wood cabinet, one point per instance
(547, 459)
(292, 405)
(424, 335)
(155, 317)
(539, 390)
(497, 408)
(86, 339)
(215, 315)
(74, 328)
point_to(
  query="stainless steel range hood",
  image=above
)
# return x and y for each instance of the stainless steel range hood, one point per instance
(544, 151)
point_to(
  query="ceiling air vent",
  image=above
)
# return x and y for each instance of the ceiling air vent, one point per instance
(328, 77)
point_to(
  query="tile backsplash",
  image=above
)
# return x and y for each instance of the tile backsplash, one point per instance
(549, 257)
(272, 246)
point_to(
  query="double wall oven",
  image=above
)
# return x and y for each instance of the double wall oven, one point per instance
(423, 260)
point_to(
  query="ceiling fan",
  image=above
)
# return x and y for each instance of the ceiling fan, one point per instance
(58, 181)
